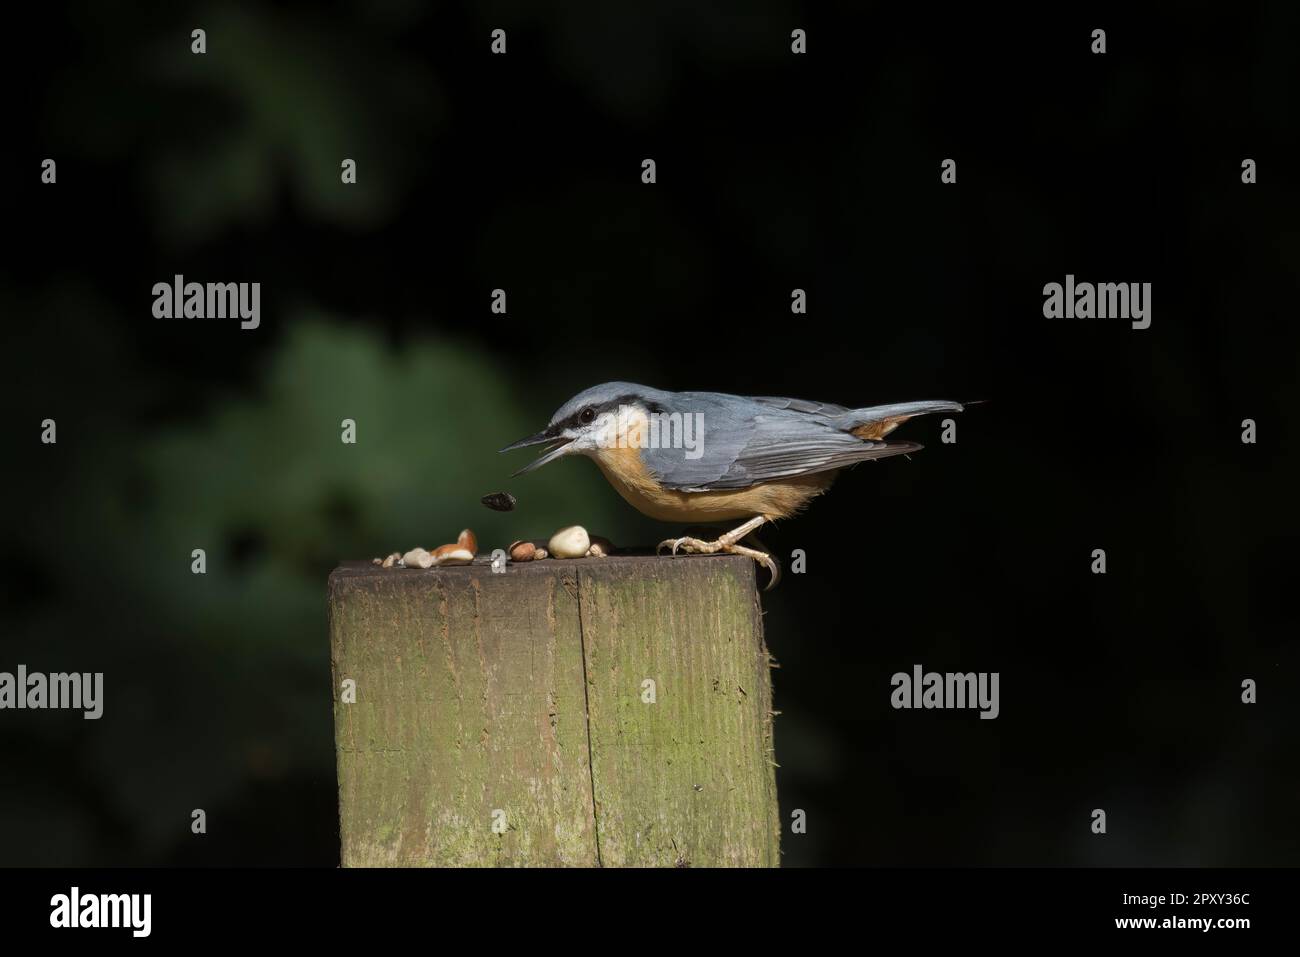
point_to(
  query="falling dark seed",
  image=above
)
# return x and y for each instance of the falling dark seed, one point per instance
(500, 501)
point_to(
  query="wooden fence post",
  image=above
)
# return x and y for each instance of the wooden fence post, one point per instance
(602, 711)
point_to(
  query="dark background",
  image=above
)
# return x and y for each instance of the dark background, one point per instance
(775, 171)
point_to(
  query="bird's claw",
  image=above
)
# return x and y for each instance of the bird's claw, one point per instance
(768, 562)
(689, 545)
(700, 547)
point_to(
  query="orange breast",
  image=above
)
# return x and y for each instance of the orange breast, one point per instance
(623, 469)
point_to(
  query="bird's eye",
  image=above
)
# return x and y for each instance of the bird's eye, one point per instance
(586, 416)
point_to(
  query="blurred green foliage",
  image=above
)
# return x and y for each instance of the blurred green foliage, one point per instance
(223, 678)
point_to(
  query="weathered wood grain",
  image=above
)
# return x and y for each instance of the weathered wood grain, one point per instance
(519, 700)
(688, 779)
(470, 702)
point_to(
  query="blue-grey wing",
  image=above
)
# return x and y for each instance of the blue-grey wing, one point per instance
(743, 442)
(801, 405)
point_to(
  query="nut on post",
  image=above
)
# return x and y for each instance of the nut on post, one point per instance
(417, 558)
(461, 552)
(570, 542)
(452, 554)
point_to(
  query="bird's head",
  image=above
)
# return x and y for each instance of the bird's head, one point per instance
(605, 416)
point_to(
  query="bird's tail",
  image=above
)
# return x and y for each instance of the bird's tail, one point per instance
(879, 420)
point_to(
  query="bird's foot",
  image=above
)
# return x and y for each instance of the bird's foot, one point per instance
(692, 546)
(727, 544)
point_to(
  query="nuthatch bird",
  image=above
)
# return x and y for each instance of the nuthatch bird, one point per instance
(707, 457)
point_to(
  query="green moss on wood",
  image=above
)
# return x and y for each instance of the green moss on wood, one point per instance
(479, 693)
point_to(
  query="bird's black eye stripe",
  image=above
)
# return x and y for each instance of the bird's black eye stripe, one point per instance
(588, 415)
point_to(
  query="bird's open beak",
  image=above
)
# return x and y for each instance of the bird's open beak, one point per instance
(541, 438)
